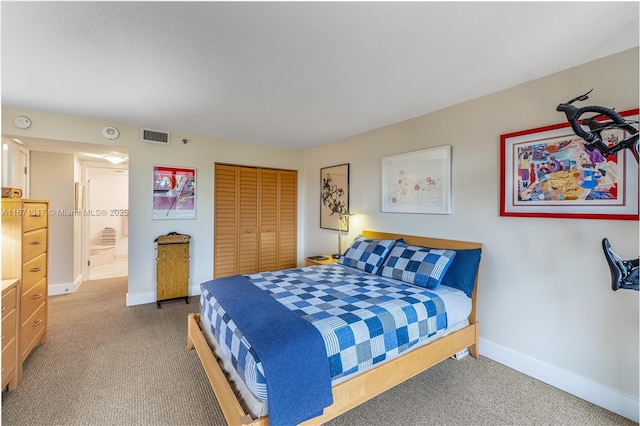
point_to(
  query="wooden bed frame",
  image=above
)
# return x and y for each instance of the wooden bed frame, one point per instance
(363, 386)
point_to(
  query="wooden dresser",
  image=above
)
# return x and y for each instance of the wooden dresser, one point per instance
(25, 246)
(10, 291)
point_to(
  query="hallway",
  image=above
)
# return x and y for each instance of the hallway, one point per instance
(117, 268)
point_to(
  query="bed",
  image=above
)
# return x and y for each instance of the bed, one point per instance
(351, 385)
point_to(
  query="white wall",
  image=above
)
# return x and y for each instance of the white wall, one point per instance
(52, 178)
(545, 302)
(200, 153)
(545, 305)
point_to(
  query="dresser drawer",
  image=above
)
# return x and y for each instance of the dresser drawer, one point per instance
(8, 329)
(8, 360)
(32, 330)
(32, 299)
(35, 216)
(8, 302)
(34, 271)
(34, 243)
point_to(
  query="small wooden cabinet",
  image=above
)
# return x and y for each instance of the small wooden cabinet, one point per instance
(25, 253)
(173, 268)
(10, 305)
(311, 262)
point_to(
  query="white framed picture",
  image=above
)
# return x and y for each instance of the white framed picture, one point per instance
(417, 182)
(174, 192)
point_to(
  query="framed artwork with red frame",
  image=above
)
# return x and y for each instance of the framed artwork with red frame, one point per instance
(548, 172)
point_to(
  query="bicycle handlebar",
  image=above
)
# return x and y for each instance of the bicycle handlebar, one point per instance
(592, 138)
(573, 114)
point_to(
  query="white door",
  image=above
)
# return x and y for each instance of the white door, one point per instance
(15, 161)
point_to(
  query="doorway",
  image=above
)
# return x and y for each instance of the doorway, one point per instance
(107, 224)
(15, 162)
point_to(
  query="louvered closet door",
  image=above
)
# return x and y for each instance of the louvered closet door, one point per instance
(268, 220)
(247, 220)
(287, 220)
(225, 226)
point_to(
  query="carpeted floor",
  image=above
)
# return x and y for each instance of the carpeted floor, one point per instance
(106, 364)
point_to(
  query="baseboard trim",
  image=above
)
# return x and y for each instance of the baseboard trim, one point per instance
(151, 296)
(589, 390)
(141, 298)
(65, 288)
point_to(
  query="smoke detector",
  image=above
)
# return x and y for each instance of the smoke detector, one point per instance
(110, 133)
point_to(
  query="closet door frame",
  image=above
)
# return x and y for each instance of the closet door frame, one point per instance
(245, 208)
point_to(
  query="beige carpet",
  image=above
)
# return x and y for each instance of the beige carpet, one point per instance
(106, 364)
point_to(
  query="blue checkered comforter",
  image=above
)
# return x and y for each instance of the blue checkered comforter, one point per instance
(363, 318)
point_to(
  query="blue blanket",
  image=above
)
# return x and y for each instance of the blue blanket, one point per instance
(290, 348)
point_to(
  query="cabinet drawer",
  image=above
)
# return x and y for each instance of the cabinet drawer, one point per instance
(8, 360)
(32, 299)
(33, 244)
(34, 271)
(8, 329)
(35, 216)
(8, 302)
(32, 330)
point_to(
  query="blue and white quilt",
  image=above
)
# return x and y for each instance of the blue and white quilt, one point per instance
(363, 318)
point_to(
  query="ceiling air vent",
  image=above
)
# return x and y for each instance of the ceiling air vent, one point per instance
(155, 136)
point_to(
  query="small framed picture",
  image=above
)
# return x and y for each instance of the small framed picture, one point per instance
(174, 192)
(334, 197)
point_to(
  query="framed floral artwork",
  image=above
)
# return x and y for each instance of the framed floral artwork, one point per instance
(334, 197)
(417, 182)
(549, 172)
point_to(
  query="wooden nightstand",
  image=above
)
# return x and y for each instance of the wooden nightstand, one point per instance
(327, 261)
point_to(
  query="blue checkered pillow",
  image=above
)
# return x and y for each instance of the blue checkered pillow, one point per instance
(367, 254)
(416, 265)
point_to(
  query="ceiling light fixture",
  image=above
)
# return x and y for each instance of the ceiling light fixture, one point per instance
(115, 159)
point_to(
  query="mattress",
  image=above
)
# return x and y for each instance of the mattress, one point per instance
(342, 303)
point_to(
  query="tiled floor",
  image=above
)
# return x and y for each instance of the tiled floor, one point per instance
(117, 268)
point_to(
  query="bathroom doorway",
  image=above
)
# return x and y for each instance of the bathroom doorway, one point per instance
(107, 209)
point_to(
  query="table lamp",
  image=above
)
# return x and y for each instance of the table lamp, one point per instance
(343, 218)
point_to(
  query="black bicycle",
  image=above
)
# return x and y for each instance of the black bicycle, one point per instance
(624, 273)
(606, 118)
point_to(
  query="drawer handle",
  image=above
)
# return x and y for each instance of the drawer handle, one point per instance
(37, 322)
(2, 338)
(37, 243)
(36, 269)
(2, 310)
(37, 214)
(37, 296)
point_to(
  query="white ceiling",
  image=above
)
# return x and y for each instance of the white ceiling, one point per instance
(291, 74)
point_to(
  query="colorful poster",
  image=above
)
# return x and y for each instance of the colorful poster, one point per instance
(174, 193)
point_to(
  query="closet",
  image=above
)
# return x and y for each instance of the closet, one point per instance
(255, 220)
